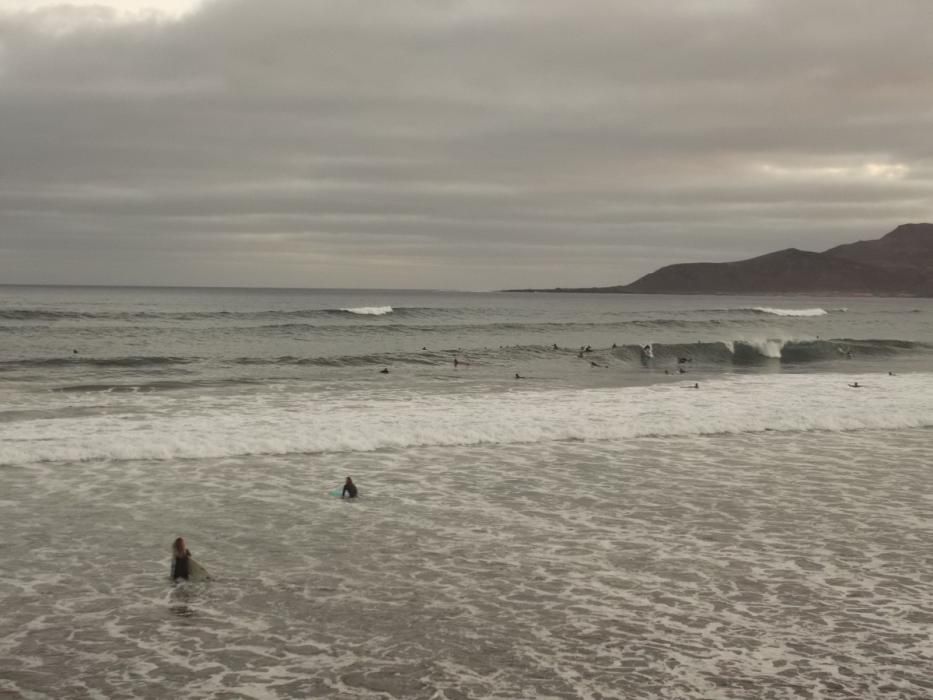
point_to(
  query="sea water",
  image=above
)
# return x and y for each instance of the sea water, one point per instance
(596, 529)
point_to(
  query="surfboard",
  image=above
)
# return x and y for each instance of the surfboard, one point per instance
(338, 493)
(196, 572)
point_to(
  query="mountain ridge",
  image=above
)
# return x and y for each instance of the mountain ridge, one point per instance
(900, 263)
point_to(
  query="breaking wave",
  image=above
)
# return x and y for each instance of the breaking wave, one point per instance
(724, 352)
(370, 310)
(389, 318)
(715, 353)
(789, 312)
(205, 427)
(751, 351)
(59, 315)
(774, 311)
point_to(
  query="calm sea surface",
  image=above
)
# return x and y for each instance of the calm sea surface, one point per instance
(598, 528)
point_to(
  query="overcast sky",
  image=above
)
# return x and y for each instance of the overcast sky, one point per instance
(468, 144)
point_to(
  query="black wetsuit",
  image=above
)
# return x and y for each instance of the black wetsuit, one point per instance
(180, 566)
(349, 489)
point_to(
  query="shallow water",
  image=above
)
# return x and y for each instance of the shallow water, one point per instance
(734, 566)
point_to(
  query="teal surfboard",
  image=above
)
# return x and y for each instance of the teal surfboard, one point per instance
(338, 493)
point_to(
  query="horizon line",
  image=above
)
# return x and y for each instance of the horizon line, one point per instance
(204, 286)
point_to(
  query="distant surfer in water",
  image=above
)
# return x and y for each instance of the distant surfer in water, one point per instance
(518, 376)
(856, 385)
(181, 557)
(349, 489)
(384, 371)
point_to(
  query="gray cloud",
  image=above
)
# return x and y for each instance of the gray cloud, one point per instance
(471, 144)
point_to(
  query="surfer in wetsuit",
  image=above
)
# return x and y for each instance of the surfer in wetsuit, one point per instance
(856, 385)
(384, 371)
(349, 489)
(180, 558)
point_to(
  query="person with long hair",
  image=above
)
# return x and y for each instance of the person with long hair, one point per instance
(181, 555)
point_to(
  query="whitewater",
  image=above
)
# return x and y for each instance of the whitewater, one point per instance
(680, 497)
(216, 425)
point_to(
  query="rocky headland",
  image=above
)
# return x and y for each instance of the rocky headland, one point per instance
(897, 264)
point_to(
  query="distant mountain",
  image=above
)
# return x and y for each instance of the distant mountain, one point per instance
(898, 264)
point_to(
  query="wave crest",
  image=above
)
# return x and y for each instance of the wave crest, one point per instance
(370, 310)
(789, 312)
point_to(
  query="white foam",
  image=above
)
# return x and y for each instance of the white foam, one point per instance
(766, 347)
(791, 312)
(190, 427)
(370, 310)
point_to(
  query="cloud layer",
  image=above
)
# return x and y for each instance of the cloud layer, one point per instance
(472, 144)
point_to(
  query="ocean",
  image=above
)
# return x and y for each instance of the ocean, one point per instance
(680, 497)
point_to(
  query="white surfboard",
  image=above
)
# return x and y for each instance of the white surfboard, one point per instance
(196, 572)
